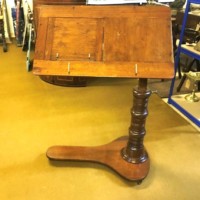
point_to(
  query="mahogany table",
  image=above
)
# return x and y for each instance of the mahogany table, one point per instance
(108, 41)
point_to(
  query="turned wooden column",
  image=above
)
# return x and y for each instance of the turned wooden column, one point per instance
(135, 152)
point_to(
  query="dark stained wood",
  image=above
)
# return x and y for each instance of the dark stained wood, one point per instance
(67, 81)
(108, 155)
(135, 152)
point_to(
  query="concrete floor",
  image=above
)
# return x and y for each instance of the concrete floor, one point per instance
(35, 115)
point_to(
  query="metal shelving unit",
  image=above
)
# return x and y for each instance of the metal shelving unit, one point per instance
(195, 55)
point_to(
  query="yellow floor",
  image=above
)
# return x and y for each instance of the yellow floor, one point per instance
(35, 115)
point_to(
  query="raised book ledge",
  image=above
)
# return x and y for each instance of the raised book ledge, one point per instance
(104, 69)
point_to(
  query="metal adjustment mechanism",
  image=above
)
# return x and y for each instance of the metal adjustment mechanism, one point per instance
(68, 68)
(57, 56)
(136, 69)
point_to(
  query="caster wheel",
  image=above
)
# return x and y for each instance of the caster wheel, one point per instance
(139, 182)
(5, 49)
(29, 65)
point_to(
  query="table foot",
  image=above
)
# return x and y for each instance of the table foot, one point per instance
(108, 154)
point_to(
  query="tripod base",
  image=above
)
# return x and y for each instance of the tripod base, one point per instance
(108, 154)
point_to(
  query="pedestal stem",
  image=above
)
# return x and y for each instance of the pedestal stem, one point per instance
(135, 152)
(135, 165)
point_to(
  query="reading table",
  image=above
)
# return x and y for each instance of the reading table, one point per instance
(108, 41)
